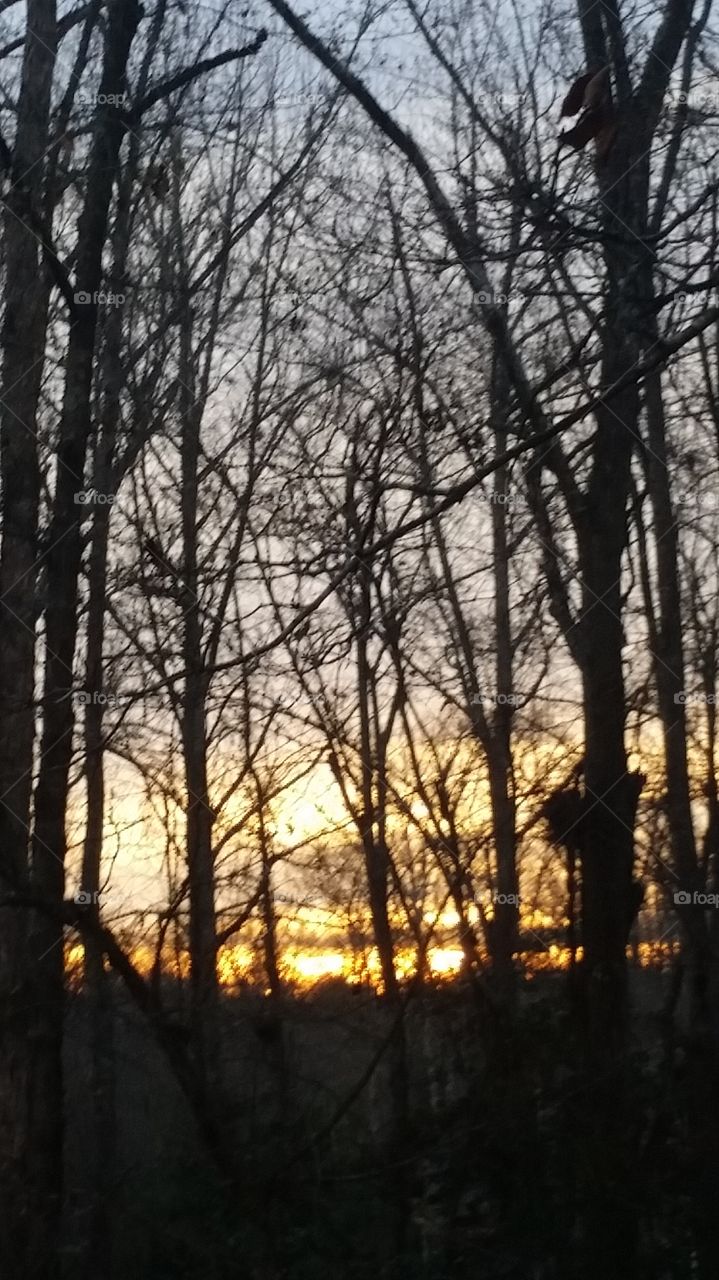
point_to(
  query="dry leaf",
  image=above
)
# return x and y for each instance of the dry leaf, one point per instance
(589, 126)
(574, 100)
(605, 141)
(597, 90)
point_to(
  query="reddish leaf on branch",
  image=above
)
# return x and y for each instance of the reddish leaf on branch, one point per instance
(574, 100)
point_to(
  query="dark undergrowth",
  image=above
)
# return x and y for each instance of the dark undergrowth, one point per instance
(505, 1163)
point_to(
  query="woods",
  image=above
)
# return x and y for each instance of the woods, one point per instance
(359, 811)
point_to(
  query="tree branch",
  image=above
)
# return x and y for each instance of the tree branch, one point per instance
(182, 78)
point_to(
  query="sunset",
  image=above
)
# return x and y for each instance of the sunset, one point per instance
(359, 640)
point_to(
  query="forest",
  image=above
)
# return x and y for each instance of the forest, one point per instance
(359, 640)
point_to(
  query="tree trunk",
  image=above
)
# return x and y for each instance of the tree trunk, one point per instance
(97, 1258)
(498, 746)
(200, 858)
(28, 1217)
(46, 958)
(668, 667)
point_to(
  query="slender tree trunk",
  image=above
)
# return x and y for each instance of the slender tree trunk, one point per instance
(668, 667)
(506, 907)
(669, 675)
(275, 1023)
(612, 793)
(200, 859)
(46, 958)
(376, 852)
(203, 946)
(23, 346)
(26, 1217)
(498, 747)
(97, 1258)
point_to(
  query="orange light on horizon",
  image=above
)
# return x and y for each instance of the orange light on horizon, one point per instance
(324, 964)
(240, 964)
(444, 960)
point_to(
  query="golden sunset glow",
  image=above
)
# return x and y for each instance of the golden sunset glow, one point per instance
(307, 968)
